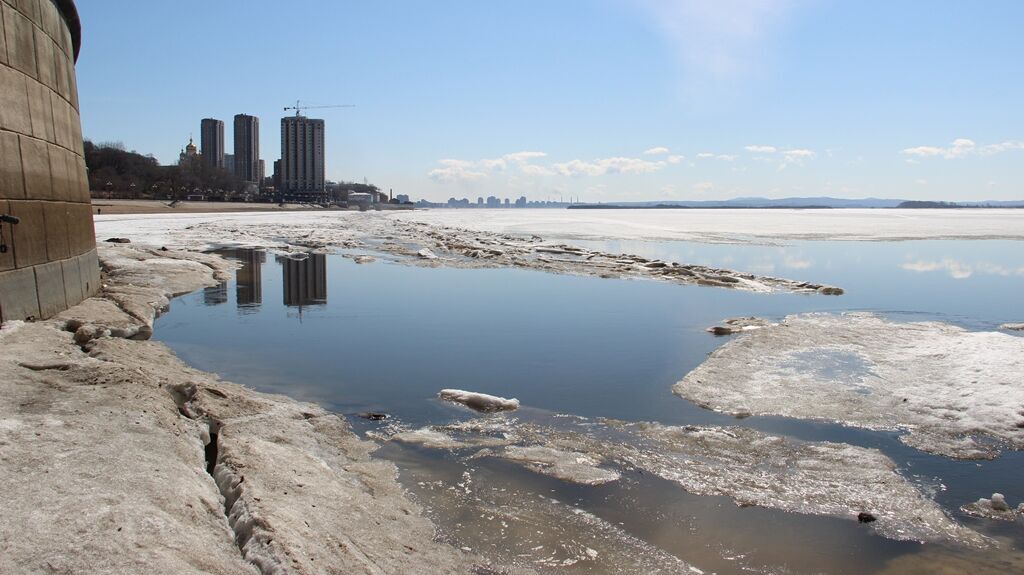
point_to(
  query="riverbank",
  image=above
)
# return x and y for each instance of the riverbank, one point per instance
(100, 207)
(117, 457)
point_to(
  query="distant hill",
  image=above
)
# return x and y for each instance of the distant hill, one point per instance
(941, 205)
(822, 202)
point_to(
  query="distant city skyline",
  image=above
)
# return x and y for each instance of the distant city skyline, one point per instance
(611, 100)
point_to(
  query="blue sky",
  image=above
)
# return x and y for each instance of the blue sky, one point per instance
(602, 99)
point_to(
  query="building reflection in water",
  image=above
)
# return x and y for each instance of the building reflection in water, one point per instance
(249, 279)
(216, 295)
(305, 280)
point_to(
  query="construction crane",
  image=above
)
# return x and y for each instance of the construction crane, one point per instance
(298, 107)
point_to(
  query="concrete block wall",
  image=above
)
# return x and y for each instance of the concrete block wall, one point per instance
(50, 263)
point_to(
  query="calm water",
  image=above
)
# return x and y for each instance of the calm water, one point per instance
(387, 337)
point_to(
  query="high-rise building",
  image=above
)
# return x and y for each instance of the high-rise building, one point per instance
(261, 171)
(247, 147)
(302, 159)
(229, 163)
(211, 141)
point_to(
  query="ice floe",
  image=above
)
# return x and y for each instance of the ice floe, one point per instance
(746, 465)
(955, 392)
(569, 466)
(479, 401)
(1012, 326)
(994, 508)
(737, 325)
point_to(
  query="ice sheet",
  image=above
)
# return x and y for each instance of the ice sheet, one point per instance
(956, 393)
(724, 225)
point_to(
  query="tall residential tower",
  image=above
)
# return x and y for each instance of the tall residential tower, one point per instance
(302, 159)
(211, 142)
(247, 147)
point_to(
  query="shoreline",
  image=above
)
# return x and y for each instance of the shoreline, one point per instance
(428, 244)
(147, 461)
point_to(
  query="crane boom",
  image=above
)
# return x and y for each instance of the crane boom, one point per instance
(298, 107)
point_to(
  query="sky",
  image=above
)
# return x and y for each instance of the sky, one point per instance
(600, 100)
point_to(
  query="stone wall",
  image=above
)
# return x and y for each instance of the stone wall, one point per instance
(50, 263)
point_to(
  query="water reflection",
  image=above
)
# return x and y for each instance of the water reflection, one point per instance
(305, 280)
(249, 278)
(962, 270)
(216, 295)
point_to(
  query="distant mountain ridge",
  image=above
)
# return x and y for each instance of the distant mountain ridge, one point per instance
(805, 203)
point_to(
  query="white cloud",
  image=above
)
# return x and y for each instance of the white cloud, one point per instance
(921, 182)
(657, 151)
(709, 155)
(519, 164)
(795, 157)
(703, 187)
(1008, 146)
(963, 147)
(761, 149)
(522, 157)
(535, 170)
(454, 171)
(600, 167)
(798, 153)
(958, 149)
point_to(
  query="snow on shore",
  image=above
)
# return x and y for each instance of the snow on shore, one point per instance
(954, 392)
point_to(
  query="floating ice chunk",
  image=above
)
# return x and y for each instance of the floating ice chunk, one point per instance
(569, 466)
(479, 401)
(427, 254)
(364, 259)
(942, 384)
(738, 324)
(1013, 326)
(994, 508)
(429, 438)
(755, 468)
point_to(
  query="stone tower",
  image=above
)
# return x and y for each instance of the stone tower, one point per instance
(49, 258)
